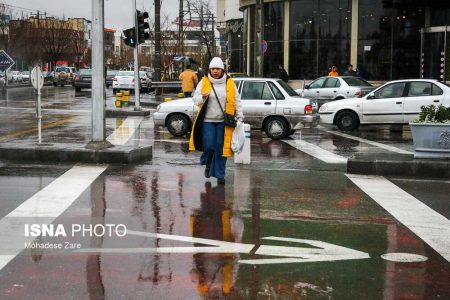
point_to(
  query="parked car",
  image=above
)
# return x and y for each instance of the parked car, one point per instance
(109, 77)
(329, 88)
(83, 80)
(64, 75)
(48, 77)
(15, 76)
(237, 75)
(396, 102)
(268, 104)
(26, 76)
(124, 80)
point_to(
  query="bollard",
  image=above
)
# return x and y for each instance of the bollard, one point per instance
(167, 99)
(118, 100)
(244, 157)
(126, 99)
(180, 95)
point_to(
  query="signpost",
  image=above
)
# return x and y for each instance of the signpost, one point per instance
(6, 62)
(37, 80)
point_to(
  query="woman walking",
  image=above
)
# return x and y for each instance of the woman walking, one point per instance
(216, 94)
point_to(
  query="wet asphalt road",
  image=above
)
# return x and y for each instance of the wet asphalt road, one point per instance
(167, 205)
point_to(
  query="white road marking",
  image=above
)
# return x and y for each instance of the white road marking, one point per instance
(44, 207)
(317, 152)
(427, 224)
(173, 141)
(380, 145)
(322, 252)
(125, 131)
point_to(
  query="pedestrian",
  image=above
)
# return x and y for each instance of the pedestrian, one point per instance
(283, 75)
(189, 81)
(215, 95)
(350, 71)
(333, 72)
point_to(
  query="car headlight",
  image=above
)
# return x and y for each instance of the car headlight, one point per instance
(158, 107)
(323, 108)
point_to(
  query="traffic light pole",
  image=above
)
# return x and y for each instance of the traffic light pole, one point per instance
(137, 81)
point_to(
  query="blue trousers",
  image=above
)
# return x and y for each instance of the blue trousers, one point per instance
(213, 148)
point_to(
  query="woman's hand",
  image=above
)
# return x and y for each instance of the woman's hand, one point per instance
(205, 96)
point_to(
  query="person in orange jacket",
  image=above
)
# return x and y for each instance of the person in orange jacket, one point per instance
(189, 81)
(333, 71)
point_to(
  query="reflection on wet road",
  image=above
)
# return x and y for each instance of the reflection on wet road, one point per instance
(288, 226)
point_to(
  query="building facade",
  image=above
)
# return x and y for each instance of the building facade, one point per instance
(384, 39)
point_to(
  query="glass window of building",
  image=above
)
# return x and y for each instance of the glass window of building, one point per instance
(273, 34)
(235, 43)
(319, 37)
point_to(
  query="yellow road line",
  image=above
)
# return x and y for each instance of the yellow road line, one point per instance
(32, 130)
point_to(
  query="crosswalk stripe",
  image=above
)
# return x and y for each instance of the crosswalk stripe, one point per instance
(427, 224)
(317, 152)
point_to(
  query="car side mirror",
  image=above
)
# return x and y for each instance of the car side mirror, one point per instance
(371, 96)
(306, 86)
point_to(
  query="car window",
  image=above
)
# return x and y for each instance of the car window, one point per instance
(332, 82)
(355, 81)
(394, 90)
(417, 89)
(278, 94)
(62, 70)
(436, 90)
(287, 88)
(256, 91)
(125, 73)
(317, 84)
(85, 72)
(111, 72)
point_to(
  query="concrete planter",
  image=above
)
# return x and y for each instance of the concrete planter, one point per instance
(431, 140)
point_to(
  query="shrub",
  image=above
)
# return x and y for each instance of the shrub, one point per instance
(433, 114)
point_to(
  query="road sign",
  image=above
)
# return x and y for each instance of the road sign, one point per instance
(37, 79)
(6, 61)
(264, 46)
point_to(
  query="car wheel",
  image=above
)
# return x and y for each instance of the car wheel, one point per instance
(178, 125)
(62, 84)
(77, 89)
(114, 91)
(347, 121)
(55, 84)
(276, 128)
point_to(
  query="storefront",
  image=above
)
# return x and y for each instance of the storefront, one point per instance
(384, 39)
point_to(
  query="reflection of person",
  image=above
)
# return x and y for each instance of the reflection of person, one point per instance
(189, 81)
(215, 273)
(333, 71)
(350, 71)
(214, 93)
(283, 75)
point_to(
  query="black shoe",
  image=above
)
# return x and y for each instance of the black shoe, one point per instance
(207, 173)
(220, 180)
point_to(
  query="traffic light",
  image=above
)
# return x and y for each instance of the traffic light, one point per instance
(130, 37)
(142, 26)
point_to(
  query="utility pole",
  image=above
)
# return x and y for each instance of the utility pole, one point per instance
(137, 81)
(180, 27)
(98, 79)
(158, 39)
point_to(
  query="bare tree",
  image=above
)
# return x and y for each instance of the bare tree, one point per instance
(79, 47)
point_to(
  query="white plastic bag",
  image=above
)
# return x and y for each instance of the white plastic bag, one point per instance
(238, 138)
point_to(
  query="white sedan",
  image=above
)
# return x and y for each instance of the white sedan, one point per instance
(396, 102)
(267, 104)
(330, 88)
(124, 80)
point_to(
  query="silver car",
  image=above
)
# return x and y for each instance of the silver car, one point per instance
(330, 88)
(267, 104)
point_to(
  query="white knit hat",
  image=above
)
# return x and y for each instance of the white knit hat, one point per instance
(216, 62)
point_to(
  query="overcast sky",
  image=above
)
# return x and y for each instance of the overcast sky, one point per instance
(118, 13)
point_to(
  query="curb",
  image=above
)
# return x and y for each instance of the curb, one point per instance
(119, 112)
(398, 165)
(63, 152)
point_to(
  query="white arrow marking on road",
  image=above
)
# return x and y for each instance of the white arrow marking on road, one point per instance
(323, 251)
